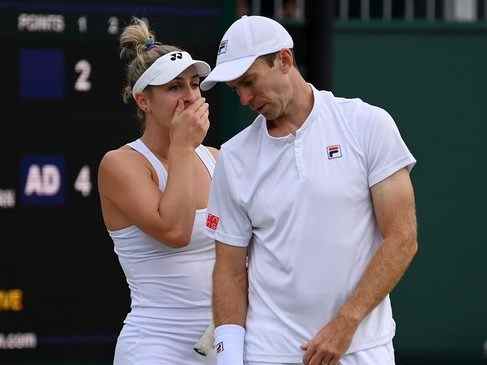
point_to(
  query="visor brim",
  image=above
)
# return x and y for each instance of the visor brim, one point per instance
(202, 69)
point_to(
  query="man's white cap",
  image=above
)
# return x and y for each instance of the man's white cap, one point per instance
(247, 38)
(166, 68)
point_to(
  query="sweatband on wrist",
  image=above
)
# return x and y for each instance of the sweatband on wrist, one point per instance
(229, 344)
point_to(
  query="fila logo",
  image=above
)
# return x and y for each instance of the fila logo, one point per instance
(177, 55)
(212, 223)
(219, 347)
(223, 47)
(334, 151)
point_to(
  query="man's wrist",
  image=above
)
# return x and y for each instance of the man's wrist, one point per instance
(229, 344)
(351, 314)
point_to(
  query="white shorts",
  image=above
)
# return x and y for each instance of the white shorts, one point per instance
(133, 347)
(379, 355)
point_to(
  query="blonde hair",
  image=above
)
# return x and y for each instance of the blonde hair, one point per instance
(139, 49)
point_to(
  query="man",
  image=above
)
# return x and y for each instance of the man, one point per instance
(316, 194)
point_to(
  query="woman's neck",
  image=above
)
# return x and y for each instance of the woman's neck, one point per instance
(157, 139)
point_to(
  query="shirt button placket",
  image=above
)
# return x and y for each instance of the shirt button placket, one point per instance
(298, 152)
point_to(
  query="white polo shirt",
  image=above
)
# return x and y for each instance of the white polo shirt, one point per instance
(302, 205)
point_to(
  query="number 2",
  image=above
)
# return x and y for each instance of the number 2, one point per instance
(83, 24)
(113, 25)
(82, 83)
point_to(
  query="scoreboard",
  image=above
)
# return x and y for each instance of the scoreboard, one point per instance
(62, 293)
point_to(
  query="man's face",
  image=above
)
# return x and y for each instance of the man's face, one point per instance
(262, 88)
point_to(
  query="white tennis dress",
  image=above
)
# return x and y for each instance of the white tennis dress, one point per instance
(170, 288)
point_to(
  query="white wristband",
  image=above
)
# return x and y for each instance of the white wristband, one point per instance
(229, 344)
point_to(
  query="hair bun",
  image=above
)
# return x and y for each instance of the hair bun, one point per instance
(135, 40)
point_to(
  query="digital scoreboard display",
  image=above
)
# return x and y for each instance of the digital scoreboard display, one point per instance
(63, 295)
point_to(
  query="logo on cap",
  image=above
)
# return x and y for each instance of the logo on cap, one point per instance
(212, 221)
(334, 151)
(223, 47)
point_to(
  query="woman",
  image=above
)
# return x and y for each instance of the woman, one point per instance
(153, 195)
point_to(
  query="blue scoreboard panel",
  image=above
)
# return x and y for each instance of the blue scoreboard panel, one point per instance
(62, 293)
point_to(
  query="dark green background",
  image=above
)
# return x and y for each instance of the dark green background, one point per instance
(432, 80)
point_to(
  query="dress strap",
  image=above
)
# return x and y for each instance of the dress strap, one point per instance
(140, 147)
(207, 158)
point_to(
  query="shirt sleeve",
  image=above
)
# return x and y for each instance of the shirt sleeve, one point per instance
(385, 148)
(226, 220)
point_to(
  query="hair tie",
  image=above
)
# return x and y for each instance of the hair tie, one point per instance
(150, 43)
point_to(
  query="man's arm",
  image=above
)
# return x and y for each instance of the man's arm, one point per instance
(396, 216)
(393, 200)
(230, 285)
(230, 295)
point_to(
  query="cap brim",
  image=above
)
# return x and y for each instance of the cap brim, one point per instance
(202, 68)
(227, 71)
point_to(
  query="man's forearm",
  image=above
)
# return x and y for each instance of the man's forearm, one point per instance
(382, 274)
(229, 296)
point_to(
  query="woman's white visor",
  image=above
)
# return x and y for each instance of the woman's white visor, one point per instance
(167, 68)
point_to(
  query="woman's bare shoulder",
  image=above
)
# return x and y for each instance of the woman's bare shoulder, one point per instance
(121, 159)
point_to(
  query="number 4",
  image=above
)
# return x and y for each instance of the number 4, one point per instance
(83, 181)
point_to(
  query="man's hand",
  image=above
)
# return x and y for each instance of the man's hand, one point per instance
(331, 342)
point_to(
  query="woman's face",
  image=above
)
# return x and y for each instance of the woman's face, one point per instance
(163, 99)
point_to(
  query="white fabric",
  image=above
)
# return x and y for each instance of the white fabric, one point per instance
(229, 344)
(247, 38)
(307, 219)
(166, 68)
(379, 355)
(170, 288)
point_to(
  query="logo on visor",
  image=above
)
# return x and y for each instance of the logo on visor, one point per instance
(177, 55)
(219, 347)
(223, 47)
(212, 221)
(334, 151)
